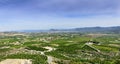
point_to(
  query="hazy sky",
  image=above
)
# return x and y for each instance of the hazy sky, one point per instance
(46, 14)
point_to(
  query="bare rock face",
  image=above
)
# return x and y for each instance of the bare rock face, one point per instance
(16, 61)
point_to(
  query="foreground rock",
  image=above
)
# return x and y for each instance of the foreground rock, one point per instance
(16, 61)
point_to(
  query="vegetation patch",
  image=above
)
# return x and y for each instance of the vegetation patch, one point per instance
(37, 48)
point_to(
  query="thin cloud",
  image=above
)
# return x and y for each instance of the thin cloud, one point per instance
(65, 6)
(79, 6)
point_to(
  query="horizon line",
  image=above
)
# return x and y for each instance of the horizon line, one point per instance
(56, 28)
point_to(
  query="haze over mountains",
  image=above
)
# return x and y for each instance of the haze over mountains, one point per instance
(114, 29)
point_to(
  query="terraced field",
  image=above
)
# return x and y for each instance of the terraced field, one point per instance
(62, 48)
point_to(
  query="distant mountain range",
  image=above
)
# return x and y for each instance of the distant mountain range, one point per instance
(115, 29)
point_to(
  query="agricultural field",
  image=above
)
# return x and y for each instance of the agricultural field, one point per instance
(60, 48)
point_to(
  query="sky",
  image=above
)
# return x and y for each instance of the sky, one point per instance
(58, 14)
